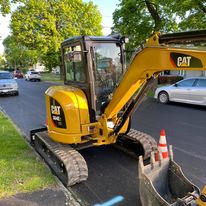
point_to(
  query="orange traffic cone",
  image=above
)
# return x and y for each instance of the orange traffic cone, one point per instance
(162, 147)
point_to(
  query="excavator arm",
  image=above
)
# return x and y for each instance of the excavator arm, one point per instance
(166, 52)
(160, 53)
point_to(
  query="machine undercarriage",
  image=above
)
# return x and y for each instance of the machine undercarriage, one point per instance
(69, 165)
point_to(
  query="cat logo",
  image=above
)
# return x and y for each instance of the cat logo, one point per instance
(179, 60)
(57, 114)
(184, 61)
(55, 110)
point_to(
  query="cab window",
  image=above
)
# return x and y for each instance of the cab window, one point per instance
(73, 63)
(108, 71)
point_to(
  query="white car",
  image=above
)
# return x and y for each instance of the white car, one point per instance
(8, 84)
(32, 75)
(191, 91)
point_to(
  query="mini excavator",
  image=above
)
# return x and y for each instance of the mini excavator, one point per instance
(99, 95)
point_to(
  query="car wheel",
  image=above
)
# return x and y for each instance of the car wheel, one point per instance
(163, 97)
(16, 93)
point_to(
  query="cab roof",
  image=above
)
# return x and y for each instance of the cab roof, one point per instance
(92, 38)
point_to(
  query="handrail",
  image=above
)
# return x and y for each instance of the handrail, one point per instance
(183, 37)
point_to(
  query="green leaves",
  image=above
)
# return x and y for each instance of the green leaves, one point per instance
(18, 55)
(138, 19)
(4, 7)
(2, 62)
(192, 14)
(42, 25)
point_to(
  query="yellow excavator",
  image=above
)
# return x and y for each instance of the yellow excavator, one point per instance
(99, 95)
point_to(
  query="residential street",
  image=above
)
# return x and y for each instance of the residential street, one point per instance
(111, 172)
(99, 136)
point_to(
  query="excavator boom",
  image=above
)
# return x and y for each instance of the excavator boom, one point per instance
(156, 56)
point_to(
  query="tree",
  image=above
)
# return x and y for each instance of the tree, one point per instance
(42, 25)
(192, 14)
(5, 6)
(140, 18)
(2, 62)
(17, 55)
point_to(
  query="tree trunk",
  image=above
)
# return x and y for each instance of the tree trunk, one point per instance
(152, 8)
(201, 6)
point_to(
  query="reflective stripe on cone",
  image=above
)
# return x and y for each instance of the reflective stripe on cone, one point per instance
(162, 146)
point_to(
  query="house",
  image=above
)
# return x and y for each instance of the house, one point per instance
(38, 67)
(185, 73)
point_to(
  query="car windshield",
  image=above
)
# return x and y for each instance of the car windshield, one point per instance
(5, 76)
(34, 73)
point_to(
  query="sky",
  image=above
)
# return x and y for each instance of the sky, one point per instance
(106, 8)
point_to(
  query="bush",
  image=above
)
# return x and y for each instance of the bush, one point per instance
(169, 79)
(24, 70)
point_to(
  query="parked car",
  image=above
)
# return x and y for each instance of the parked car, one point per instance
(18, 73)
(55, 71)
(191, 91)
(32, 75)
(8, 84)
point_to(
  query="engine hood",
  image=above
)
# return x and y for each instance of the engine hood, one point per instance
(7, 81)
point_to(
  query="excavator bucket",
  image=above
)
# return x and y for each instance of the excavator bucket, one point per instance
(163, 183)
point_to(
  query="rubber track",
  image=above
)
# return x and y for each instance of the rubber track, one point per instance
(148, 142)
(75, 165)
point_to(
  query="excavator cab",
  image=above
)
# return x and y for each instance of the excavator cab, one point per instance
(95, 65)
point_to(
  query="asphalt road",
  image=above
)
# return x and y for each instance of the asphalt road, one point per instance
(111, 172)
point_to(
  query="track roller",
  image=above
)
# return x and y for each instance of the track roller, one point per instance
(67, 163)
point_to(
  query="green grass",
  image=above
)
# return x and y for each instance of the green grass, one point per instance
(50, 77)
(151, 92)
(20, 168)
